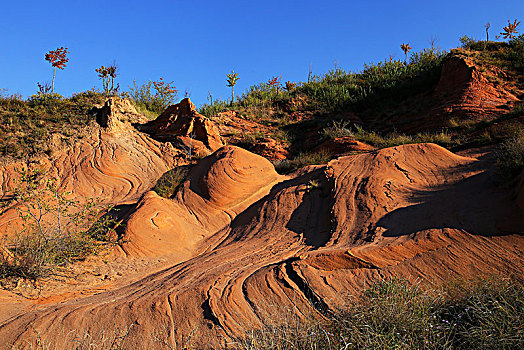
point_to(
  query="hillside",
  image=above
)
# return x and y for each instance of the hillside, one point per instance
(287, 199)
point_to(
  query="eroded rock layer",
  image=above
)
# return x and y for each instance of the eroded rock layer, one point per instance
(271, 245)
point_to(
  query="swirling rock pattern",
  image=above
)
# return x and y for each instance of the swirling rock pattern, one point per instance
(300, 243)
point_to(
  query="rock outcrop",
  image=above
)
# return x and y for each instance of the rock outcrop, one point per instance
(298, 243)
(114, 163)
(183, 124)
(466, 92)
(216, 190)
(117, 115)
(343, 145)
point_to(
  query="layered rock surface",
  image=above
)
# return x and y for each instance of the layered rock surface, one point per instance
(114, 163)
(261, 244)
(182, 123)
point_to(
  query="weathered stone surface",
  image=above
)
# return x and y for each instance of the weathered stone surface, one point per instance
(117, 115)
(182, 120)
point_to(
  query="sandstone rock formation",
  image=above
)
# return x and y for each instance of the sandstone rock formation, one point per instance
(117, 115)
(262, 244)
(215, 192)
(343, 145)
(114, 163)
(234, 127)
(464, 91)
(182, 123)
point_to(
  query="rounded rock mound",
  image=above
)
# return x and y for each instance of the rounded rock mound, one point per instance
(232, 174)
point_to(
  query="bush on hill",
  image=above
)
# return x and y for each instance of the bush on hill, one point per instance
(55, 230)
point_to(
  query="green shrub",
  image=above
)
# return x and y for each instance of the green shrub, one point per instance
(510, 157)
(212, 109)
(389, 80)
(153, 97)
(168, 183)
(55, 230)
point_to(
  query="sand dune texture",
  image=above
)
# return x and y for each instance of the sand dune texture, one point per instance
(243, 243)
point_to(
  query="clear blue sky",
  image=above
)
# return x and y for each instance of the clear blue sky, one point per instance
(196, 43)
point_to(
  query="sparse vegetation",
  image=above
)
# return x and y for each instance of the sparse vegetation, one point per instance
(54, 229)
(168, 183)
(510, 157)
(396, 139)
(397, 314)
(338, 129)
(27, 126)
(339, 90)
(301, 160)
(152, 103)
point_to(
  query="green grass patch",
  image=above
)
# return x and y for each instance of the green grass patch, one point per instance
(168, 183)
(397, 314)
(314, 158)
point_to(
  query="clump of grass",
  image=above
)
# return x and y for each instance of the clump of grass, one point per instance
(510, 157)
(249, 139)
(280, 135)
(397, 314)
(338, 129)
(395, 139)
(168, 183)
(288, 165)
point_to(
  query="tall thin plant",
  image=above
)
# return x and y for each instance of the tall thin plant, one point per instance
(58, 59)
(406, 48)
(487, 26)
(231, 80)
(108, 75)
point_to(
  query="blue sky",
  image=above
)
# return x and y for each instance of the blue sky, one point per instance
(196, 43)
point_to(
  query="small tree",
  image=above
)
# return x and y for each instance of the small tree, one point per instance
(290, 86)
(165, 92)
(405, 48)
(58, 59)
(274, 83)
(231, 80)
(510, 30)
(108, 75)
